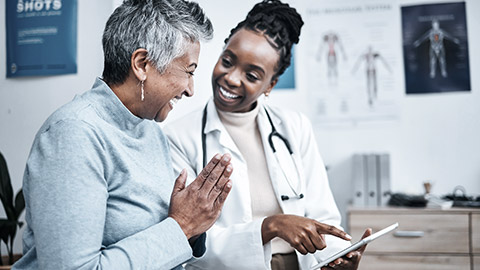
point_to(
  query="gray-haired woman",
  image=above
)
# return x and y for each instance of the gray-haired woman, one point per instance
(98, 182)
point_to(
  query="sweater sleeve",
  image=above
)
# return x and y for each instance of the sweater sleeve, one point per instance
(66, 201)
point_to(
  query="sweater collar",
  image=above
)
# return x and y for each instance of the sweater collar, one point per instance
(238, 118)
(111, 108)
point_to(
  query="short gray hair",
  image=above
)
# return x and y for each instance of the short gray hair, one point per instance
(163, 27)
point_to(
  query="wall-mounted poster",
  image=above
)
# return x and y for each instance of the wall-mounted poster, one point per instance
(353, 55)
(41, 37)
(287, 80)
(435, 48)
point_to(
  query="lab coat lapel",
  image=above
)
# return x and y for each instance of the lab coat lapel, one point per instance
(237, 207)
(274, 169)
(280, 184)
(222, 136)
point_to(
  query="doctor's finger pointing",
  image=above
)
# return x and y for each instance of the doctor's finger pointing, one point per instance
(323, 228)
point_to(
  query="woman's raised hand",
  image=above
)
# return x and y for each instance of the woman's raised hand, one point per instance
(197, 206)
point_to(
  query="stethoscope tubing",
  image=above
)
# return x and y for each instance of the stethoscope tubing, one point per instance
(273, 133)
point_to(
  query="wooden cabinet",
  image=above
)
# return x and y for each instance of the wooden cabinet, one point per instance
(476, 234)
(476, 240)
(425, 239)
(414, 262)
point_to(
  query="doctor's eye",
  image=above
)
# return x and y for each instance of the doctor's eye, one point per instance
(252, 77)
(226, 62)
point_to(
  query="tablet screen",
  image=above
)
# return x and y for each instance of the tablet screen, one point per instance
(355, 246)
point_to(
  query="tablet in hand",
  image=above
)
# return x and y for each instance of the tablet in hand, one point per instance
(355, 246)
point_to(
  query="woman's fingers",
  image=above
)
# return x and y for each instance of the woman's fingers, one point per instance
(332, 230)
(215, 174)
(180, 182)
(367, 233)
(220, 184)
(319, 242)
(303, 243)
(202, 177)
(223, 195)
(197, 206)
(212, 173)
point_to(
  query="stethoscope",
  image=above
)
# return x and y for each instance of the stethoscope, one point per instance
(273, 133)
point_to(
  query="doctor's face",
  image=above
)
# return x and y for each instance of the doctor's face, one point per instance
(244, 71)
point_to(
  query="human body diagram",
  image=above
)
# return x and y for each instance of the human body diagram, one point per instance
(370, 57)
(331, 43)
(436, 35)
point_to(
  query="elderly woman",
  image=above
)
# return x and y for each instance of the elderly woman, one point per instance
(99, 185)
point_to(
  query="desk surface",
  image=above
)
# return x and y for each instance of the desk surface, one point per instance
(410, 210)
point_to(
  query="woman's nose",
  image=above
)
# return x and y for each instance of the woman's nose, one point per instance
(189, 91)
(232, 78)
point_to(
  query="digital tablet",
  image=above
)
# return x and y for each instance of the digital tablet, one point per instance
(355, 246)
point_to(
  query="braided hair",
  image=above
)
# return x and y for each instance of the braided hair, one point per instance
(280, 23)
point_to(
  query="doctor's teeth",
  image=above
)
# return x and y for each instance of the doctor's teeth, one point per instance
(228, 94)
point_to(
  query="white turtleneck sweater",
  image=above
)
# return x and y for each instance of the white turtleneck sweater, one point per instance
(243, 129)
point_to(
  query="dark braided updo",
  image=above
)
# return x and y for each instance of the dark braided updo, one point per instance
(280, 23)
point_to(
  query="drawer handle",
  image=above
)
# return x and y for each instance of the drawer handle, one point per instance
(408, 234)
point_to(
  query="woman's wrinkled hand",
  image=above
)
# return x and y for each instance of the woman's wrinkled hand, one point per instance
(197, 206)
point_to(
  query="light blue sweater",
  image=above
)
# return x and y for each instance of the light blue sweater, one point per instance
(97, 187)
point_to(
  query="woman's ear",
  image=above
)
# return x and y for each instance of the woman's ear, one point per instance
(270, 87)
(138, 63)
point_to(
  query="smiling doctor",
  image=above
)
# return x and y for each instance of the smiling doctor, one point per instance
(280, 213)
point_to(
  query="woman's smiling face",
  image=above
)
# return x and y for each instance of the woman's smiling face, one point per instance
(163, 90)
(244, 71)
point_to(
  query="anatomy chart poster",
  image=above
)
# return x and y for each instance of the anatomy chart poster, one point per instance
(435, 48)
(353, 54)
(41, 37)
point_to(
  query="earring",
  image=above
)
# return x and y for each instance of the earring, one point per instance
(266, 97)
(143, 92)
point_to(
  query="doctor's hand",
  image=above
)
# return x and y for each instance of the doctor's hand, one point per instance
(351, 260)
(303, 234)
(197, 206)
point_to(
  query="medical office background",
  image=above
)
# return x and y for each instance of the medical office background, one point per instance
(430, 137)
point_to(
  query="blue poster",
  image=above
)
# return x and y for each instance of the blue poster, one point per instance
(287, 79)
(41, 37)
(435, 48)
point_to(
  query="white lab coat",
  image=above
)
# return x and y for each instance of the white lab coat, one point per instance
(235, 241)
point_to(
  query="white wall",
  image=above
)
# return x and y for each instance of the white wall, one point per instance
(25, 103)
(436, 137)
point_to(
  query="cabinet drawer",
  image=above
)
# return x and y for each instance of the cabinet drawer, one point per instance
(441, 233)
(476, 234)
(476, 262)
(394, 262)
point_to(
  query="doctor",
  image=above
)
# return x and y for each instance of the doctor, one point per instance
(280, 213)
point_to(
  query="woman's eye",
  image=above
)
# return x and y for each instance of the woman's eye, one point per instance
(190, 73)
(252, 77)
(226, 62)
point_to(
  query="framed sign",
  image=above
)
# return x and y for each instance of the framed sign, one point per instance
(435, 48)
(41, 37)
